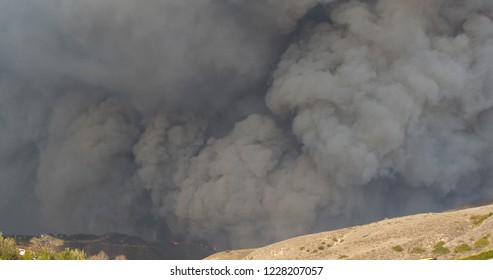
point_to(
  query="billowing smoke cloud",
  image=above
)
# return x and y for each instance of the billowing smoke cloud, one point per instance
(240, 122)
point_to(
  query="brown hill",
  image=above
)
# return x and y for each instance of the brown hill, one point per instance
(450, 235)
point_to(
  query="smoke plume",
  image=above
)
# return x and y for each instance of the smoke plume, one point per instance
(241, 122)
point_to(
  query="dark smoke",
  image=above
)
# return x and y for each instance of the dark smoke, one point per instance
(240, 122)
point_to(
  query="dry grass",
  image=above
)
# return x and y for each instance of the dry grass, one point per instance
(479, 219)
(100, 256)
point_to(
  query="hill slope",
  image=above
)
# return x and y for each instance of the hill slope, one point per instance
(115, 245)
(449, 235)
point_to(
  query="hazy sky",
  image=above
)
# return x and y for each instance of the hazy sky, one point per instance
(240, 122)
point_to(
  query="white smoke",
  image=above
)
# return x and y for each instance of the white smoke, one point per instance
(121, 115)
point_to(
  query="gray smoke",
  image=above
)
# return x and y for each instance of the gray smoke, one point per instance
(241, 122)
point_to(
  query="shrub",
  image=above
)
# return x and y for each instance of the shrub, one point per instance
(462, 248)
(479, 219)
(45, 255)
(321, 248)
(482, 256)
(417, 250)
(397, 248)
(482, 242)
(28, 255)
(120, 257)
(100, 256)
(341, 257)
(439, 249)
(43, 249)
(8, 248)
(70, 254)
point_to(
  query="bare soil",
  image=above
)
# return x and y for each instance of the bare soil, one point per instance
(403, 238)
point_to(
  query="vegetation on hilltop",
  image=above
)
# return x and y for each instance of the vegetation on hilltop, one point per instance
(482, 256)
(39, 248)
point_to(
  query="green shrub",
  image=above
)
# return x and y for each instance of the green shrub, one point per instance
(439, 249)
(43, 249)
(70, 254)
(479, 219)
(341, 257)
(8, 248)
(397, 248)
(482, 256)
(28, 255)
(45, 255)
(417, 250)
(462, 248)
(321, 248)
(482, 242)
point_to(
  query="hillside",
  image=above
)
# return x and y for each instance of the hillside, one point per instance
(114, 246)
(449, 235)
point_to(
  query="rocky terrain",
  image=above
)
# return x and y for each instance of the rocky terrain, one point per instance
(450, 235)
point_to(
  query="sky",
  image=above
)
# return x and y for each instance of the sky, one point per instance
(240, 122)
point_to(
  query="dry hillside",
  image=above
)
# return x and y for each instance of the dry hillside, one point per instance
(450, 235)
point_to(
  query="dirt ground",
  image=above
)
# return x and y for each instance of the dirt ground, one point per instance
(449, 235)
